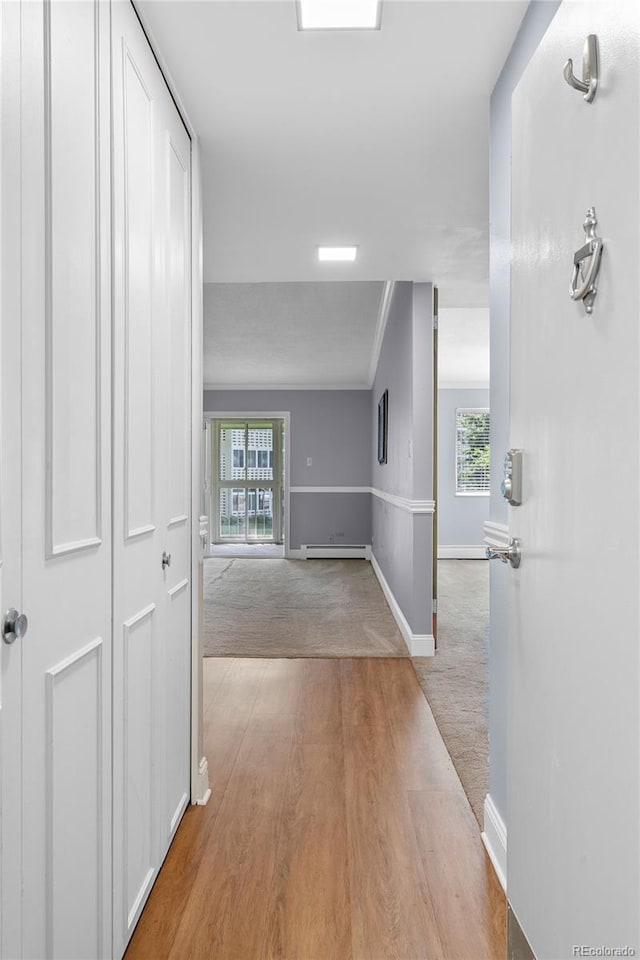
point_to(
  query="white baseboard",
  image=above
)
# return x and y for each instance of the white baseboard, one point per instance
(202, 790)
(329, 551)
(419, 644)
(422, 645)
(462, 552)
(494, 838)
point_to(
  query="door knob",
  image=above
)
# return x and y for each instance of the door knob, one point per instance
(166, 559)
(14, 626)
(512, 554)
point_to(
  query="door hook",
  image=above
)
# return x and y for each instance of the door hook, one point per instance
(590, 69)
(585, 272)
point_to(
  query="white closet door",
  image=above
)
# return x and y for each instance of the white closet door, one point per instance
(151, 469)
(10, 482)
(174, 426)
(66, 517)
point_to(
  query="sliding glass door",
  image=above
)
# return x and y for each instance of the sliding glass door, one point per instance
(248, 475)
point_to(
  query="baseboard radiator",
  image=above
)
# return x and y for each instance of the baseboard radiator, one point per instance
(335, 551)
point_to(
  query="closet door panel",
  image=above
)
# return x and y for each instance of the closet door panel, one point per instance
(177, 415)
(177, 724)
(137, 472)
(66, 434)
(10, 482)
(74, 691)
(178, 384)
(138, 833)
(73, 305)
(139, 334)
(152, 455)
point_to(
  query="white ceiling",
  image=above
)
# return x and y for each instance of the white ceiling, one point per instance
(379, 139)
(290, 334)
(374, 138)
(463, 348)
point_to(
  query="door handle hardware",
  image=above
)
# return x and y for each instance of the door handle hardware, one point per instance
(14, 626)
(512, 554)
(590, 69)
(166, 559)
(586, 263)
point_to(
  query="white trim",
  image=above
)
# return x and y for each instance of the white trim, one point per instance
(197, 286)
(464, 385)
(330, 489)
(285, 386)
(198, 785)
(457, 552)
(496, 535)
(331, 551)
(166, 73)
(246, 415)
(411, 506)
(494, 837)
(404, 503)
(381, 326)
(423, 645)
(267, 415)
(419, 644)
(203, 791)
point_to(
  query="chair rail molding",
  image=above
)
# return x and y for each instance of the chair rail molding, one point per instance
(403, 503)
(496, 535)
(461, 552)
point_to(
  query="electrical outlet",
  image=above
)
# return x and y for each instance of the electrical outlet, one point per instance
(309, 461)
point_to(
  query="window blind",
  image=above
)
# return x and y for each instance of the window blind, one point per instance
(472, 451)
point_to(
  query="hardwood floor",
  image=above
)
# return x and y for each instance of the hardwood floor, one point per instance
(337, 828)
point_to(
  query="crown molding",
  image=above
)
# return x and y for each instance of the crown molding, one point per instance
(381, 326)
(241, 387)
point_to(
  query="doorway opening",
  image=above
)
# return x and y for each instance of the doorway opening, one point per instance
(456, 679)
(246, 463)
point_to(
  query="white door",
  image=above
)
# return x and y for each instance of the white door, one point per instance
(10, 483)
(151, 469)
(573, 669)
(56, 395)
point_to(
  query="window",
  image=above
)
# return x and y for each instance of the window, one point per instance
(472, 452)
(238, 458)
(265, 458)
(251, 459)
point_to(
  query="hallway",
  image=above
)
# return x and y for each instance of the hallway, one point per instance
(337, 827)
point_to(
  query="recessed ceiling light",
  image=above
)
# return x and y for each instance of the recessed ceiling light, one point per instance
(337, 253)
(339, 14)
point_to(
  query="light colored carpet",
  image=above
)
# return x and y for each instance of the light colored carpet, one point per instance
(455, 681)
(296, 608)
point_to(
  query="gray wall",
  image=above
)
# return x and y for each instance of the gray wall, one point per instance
(333, 428)
(402, 540)
(460, 519)
(534, 25)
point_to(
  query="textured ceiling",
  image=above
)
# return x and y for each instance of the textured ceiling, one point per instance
(293, 334)
(374, 138)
